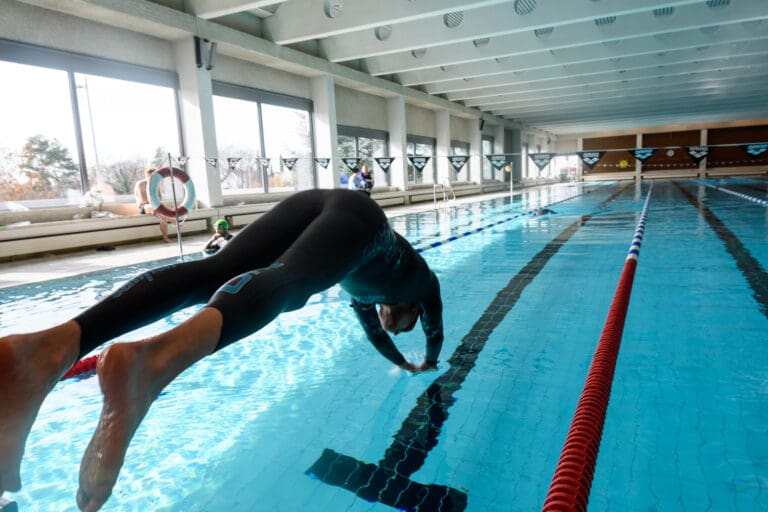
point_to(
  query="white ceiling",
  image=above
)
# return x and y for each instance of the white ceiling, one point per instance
(562, 66)
(559, 66)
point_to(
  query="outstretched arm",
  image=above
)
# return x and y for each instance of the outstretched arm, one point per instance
(431, 313)
(378, 337)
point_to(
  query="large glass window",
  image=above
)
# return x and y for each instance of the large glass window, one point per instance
(421, 146)
(365, 144)
(264, 140)
(127, 126)
(239, 145)
(287, 137)
(39, 164)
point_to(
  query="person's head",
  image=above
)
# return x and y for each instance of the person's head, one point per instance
(365, 169)
(221, 226)
(148, 171)
(397, 318)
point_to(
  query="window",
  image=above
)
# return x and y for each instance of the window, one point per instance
(39, 163)
(459, 148)
(74, 123)
(421, 146)
(365, 144)
(264, 140)
(122, 138)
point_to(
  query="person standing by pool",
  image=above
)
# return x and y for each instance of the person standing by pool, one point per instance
(305, 244)
(367, 179)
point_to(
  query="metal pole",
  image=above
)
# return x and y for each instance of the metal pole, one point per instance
(175, 208)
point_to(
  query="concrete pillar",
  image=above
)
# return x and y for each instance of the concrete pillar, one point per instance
(443, 149)
(197, 122)
(475, 152)
(498, 148)
(325, 131)
(397, 141)
(638, 163)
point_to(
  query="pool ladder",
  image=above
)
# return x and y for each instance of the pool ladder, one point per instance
(446, 190)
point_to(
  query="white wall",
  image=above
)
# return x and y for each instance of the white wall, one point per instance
(355, 108)
(248, 74)
(27, 24)
(420, 121)
(460, 129)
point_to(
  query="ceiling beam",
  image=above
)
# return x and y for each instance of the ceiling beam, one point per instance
(303, 20)
(209, 9)
(484, 22)
(574, 35)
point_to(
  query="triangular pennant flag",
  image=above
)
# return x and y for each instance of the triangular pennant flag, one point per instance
(698, 153)
(232, 161)
(182, 160)
(352, 163)
(264, 161)
(458, 161)
(323, 162)
(497, 161)
(213, 161)
(419, 162)
(289, 162)
(643, 154)
(541, 159)
(385, 162)
(590, 158)
(756, 149)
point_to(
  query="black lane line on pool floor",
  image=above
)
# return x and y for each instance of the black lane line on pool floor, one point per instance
(388, 482)
(748, 264)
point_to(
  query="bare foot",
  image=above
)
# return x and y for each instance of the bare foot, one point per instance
(132, 375)
(30, 365)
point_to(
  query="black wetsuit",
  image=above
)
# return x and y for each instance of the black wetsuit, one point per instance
(305, 244)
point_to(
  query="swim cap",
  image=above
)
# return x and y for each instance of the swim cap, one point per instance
(221, 223)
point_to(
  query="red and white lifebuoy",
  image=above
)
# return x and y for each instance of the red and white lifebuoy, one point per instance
(154, 196)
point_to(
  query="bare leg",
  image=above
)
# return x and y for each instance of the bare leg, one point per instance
(164, 230)
(132, 375)
(30, 365)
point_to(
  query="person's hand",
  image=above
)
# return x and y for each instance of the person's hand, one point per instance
(427, 366)
(410, 367)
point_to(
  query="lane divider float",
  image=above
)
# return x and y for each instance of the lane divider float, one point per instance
(761, 202)
(572, 480)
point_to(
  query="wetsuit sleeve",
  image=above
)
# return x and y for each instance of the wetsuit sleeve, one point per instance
(378, 337)
(431, 313)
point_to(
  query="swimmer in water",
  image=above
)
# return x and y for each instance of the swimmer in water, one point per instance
(543, 211)
(305, 244)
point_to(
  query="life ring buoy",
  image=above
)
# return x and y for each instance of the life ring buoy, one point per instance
(154, 197)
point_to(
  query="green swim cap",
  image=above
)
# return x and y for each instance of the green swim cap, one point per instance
(221, 223)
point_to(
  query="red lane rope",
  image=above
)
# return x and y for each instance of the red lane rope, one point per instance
(572, 480)
(85, 365)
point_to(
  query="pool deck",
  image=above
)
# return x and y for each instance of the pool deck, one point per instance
(55, 266)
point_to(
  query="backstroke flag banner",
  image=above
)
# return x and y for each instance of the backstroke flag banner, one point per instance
(541, 159)
(232, 161)
(498, 161)
(289, 162)
(352, 163)
(419, 162)
(264, 162)
(590, 158)
(643, 154)
(458, 161)
(755, 149)
(385, 162)
(323, 162)
(698, 153)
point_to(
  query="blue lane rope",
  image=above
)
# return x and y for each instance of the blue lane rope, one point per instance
(451, 238)
(757, 200)
(637, 240)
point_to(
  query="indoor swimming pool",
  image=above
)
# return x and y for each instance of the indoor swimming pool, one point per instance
(306, 415)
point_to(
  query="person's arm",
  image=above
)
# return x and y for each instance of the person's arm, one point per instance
(376, 334)
(431, 314)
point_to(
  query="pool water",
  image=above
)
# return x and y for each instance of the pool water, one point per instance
(305, 415)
